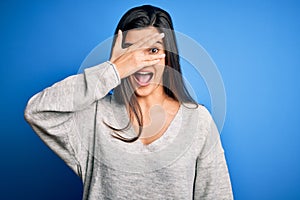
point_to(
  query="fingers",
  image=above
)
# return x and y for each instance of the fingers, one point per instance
(149, 63)
(152, 41)
(131, 59)
(142, 41)
(154, 57)
(147, 41)
(145, 61)
(151, 60)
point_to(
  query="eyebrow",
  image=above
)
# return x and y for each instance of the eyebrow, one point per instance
(127, 44)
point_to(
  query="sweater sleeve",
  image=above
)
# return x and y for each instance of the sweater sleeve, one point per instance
(212, 181)
(51, 112)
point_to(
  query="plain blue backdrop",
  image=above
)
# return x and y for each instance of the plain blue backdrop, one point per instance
(255, 45)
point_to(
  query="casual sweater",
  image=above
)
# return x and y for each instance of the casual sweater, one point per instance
(186, 162)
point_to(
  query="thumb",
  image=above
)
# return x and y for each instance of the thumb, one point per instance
(118, 42)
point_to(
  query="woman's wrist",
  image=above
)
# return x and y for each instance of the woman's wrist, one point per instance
(119, 70)
(113, 65)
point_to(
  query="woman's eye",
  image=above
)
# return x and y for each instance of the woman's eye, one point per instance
(154, 50)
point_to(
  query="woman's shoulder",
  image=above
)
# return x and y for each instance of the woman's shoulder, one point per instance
(198, 109)
(198, 120)
(198, 117)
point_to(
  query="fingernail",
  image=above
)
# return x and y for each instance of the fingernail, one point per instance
(163, 55)
(162, 35)
(119, 31)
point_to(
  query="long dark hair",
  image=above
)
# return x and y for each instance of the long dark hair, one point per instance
(142, 17)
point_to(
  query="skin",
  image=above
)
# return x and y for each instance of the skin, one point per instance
(145, 52)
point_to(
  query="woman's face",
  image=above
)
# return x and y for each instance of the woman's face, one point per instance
(148, 79)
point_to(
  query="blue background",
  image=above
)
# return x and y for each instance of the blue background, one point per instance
(255, 45)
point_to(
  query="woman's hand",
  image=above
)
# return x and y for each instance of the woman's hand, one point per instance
(133, 58)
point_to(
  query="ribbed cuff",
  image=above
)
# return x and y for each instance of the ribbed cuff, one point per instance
(115, 69)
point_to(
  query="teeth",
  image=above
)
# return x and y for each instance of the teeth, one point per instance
(144, 73)
(143, 77)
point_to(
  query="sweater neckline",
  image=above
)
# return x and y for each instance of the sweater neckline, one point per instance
(137, 157)
(165, 139)
(120, 115)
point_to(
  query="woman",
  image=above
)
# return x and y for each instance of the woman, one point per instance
(147, 140)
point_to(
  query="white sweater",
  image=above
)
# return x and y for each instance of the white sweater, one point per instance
(186, 162)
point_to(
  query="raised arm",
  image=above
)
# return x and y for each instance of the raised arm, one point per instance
(51, 112)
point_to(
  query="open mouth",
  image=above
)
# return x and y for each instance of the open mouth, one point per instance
(143, 78)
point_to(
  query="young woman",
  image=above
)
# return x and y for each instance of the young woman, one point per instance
(148, 139)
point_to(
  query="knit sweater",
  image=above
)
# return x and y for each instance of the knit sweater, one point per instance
(186, 162)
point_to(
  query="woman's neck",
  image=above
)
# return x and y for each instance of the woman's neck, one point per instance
(157, 97)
